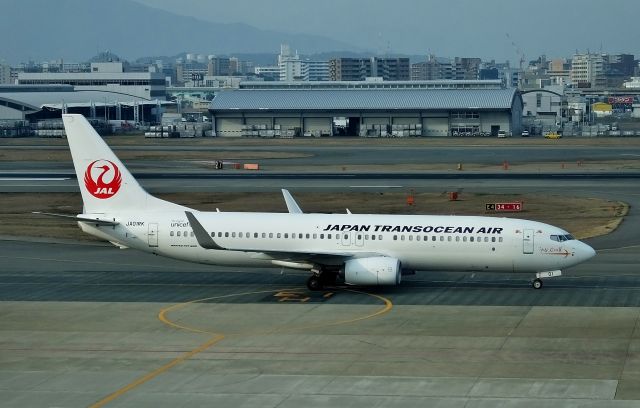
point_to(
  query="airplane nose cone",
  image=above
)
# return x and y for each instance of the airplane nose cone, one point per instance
(585, 252)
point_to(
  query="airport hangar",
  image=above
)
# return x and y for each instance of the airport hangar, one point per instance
(37, 102)
(367, 112)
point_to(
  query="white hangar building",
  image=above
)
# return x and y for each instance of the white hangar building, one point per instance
(366, 112)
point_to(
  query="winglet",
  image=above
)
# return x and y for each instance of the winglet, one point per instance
(292, 205)
(204, 240)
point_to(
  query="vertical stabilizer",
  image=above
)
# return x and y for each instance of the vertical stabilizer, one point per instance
(105, 183)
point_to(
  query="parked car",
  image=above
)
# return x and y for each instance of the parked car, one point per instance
(525, 133)
(502, 133)
(553, 135)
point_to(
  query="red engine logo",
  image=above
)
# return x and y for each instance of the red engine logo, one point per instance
(98, 187)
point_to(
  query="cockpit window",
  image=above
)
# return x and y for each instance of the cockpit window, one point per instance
(562, 238)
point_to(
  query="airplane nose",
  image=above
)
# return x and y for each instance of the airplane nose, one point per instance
(585, 252)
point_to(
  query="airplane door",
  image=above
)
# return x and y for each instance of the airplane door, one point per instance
(359, 239)
(153, 235)
(527, 241)
(346, 238)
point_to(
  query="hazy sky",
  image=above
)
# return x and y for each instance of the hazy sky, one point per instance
(479, 28)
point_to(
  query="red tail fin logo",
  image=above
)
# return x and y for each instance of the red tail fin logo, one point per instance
(102, 179)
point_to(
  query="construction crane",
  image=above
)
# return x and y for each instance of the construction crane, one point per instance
(520, 54)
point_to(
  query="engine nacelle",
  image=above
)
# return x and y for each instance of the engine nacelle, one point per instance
(377, 270)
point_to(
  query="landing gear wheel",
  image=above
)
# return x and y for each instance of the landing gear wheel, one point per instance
(329, 278)
(537, 283)
(314, 282)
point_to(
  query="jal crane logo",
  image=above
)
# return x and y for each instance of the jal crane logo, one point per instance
(108, 179)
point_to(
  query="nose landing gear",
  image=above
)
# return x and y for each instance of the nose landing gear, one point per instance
(537, 282)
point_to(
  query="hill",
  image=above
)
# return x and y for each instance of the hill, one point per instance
(74, 30)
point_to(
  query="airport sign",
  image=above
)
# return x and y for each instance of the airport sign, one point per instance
(503, 207)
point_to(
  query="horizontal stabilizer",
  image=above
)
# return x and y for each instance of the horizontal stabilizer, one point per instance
(80, 219)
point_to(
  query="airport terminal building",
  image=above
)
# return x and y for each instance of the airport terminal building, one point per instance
(382, 110)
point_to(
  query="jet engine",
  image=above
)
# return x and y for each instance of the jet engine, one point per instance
(377, 270)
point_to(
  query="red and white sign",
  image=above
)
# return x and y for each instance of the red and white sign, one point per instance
(613, 100)
(508, 206)
(102, 179)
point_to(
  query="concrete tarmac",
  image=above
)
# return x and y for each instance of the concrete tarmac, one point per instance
(92, 325)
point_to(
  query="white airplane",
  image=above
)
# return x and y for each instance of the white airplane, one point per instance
(358, 249)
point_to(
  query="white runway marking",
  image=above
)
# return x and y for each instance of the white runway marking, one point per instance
(376, 186)
(33, 178)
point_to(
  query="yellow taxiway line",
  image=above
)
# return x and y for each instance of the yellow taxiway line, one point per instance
(162, 316)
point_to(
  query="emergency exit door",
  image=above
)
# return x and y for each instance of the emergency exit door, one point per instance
(527, 241)
(153, 235)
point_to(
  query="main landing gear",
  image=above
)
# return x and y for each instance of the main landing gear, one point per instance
(314, 282)
(537, 282)
(320, 278)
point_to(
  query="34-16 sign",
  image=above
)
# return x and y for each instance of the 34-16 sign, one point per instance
(504, 207)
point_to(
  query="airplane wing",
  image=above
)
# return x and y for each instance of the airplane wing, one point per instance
(87, 219)
(292, 205)
(322, 257)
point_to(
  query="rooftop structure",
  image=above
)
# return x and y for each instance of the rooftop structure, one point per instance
(365, 112)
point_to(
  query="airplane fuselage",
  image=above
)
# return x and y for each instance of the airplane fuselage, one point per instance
(447, 243)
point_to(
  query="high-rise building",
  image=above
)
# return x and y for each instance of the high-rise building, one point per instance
(559, 71)
(358, 69)
(433, 69)
(317, 70)
(218, 66)
(467, 68)
(5, 74)
(291, 66)
(349, 69)
(588, 71)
